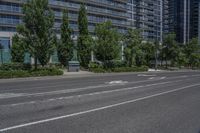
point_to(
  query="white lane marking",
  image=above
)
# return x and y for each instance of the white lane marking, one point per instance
(163, 78)
(91, 94)
(151, 78)
(10, 95)
(157, 78)
(89, 87)
(96, 109)
(117, 82)
(76, 89)
(145, 75)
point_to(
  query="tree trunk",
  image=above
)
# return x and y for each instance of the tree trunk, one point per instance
(35, 61)
(166, 62)
(1, 56)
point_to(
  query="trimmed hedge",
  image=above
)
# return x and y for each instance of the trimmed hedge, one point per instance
(14, 66)
(120, 69)
(33, 73)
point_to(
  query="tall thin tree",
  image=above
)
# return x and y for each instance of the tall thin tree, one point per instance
(84, 39)
(37, 30)
(65, 47)
(1, 50)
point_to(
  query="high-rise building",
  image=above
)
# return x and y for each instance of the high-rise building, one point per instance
(165, 16)
(146, 15)
(199, 25)
(183, 18)
(98, 11)
(194, 18)
(179, 19)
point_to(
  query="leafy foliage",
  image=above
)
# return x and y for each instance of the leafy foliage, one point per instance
(37, 30)
(192, 51)
(133, 53)
(107, 42)
(65, 47)
(17, 49)
(1, 53)
(84, 39)
(25, 73)
(170, 48)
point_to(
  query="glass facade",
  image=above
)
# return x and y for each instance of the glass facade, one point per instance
(124, 14)
(147, 16)
(98, 11)
(5, 42)
(182, 18)
(194, 18)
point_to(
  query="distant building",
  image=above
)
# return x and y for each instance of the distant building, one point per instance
(194, 18)
(183, 18)
(199, 25)
(142, 14)
(98, 11)
(146, 15)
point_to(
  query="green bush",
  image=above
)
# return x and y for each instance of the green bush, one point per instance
(14, 74)
(15, 66)
(32, 73)
(98, 70)
(46, 72)
(120, 69)
(114, 64)
(130, 69)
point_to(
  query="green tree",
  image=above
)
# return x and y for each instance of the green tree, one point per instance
(181, 58)
(84, 39)
(37, 30)
(192, 49)
(1, 50)
(195, 60)
(133, 40)
(107, 43)
(17, 49)
(65, 47)
(169, 48)
(149, 49)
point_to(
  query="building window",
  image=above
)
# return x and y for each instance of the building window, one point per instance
(5, 42)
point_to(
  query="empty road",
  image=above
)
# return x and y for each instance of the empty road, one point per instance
(156, 102)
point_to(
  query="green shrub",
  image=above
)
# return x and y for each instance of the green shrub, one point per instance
(95, 65)
(130, 69)
(32, 73)
(46, 72)
(15, 66)
(120, 69)
(98, 70)
(11, 66)
(14, 74)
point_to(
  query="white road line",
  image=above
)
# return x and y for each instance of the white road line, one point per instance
(96, 109)
(90, 87)
(117, 82)
(151, 78)
(76, 89)
(91, 94)
(145, 75)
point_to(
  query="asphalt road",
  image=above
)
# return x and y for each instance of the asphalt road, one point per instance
(163, 102)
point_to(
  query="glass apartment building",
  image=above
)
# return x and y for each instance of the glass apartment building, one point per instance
(179, 19)
(145, 15)
(98, 11)
(194, 18)
(183, 19)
